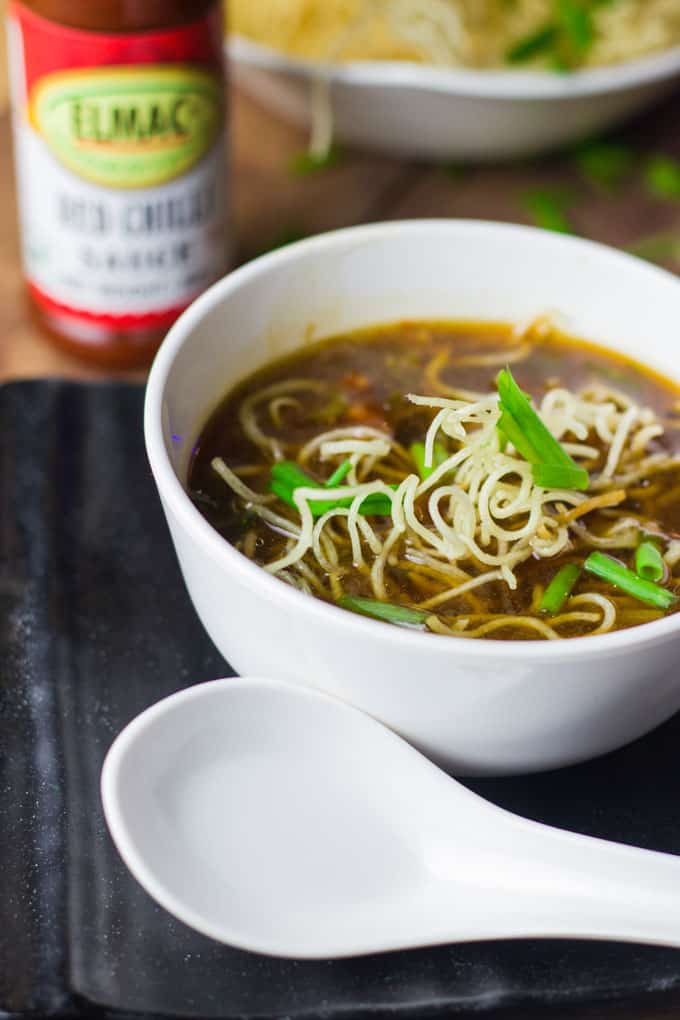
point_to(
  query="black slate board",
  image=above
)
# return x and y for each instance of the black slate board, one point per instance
(94, 626)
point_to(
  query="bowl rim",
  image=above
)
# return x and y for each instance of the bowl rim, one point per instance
(233, 562)
(492, 84)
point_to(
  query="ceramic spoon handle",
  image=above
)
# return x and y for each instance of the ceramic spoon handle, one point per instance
(561, 884)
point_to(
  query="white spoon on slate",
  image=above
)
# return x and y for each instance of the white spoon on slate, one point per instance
(278, 819)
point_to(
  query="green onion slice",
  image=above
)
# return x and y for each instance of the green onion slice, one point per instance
(560, 588)
(304, 163)
(577, 24)
(287, 472)
(548, 209)
(287, 476)
(662, 177)
(533, 45)
(604, 164)
(402, 616)
(339, 474)
(649, 563)
(511, 432)
(559, 476)
(552, 465)
(439, 455)
(611, 570)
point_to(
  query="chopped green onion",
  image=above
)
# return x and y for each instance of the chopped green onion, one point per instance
(606, 165)
(534, 441)
(611, 570)
(548, 209)
(560, 588)
(534, 45)
(538, 445)
(511, 432)
(374, 505)
(576, 22)
(417, 451)
(304, 163)
(287, 476)
(565, 40)
(402, 616)
(662, 177)
(557, 64)
(339, 474)
(285, 493)
(560, 476)
(288, 473)
(649, 563)
(439, 455)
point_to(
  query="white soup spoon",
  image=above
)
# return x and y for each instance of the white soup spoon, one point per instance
(278, 819)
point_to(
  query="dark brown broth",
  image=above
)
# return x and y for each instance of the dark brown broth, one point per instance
(367, 375)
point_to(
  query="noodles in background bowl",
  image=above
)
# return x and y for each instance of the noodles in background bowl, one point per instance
(539, 34)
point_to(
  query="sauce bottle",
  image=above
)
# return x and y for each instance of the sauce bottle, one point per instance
(118, 112)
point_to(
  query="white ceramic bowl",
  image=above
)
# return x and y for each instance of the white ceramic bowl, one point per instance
(476, 706)
(438, 113)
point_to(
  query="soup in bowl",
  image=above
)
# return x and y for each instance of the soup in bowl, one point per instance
(433, 468)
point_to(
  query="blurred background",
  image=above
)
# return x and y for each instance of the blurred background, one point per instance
(619, 184)
(4, 85)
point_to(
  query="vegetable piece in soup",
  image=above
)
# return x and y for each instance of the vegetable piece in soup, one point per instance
(463, 479)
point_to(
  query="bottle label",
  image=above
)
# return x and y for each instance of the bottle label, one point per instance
(119, 148)
(135, 129)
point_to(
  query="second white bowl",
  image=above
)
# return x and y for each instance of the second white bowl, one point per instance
(441, 113)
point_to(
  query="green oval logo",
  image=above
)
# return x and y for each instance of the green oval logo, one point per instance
(128, 127)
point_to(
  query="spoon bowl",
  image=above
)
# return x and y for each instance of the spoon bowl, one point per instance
(281, 820)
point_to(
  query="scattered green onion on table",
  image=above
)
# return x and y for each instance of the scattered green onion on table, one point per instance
(605, 165)
(662, 177)
(548, 209)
